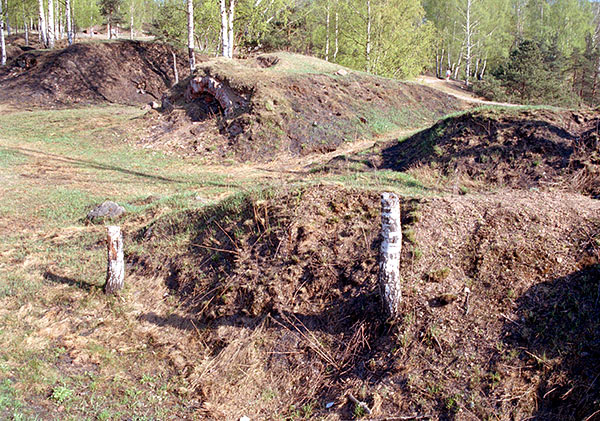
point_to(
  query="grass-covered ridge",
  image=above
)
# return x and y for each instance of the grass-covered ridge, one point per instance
(296, 105)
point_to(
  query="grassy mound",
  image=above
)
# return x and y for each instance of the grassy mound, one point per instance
(499, 305)
(298, 105)
(517, 148)
(125, 72)
(521, 148)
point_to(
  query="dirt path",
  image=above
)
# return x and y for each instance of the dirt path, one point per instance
(456, 89)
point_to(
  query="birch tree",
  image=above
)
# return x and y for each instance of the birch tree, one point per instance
(69, 23)
(2, 42)
(227, 27)
(224, 32)
(42, 23)
(50, 26)
(190, 30)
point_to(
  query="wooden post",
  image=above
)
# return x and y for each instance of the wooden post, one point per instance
(389, 259)
(115, 271)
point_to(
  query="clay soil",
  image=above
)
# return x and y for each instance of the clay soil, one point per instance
(500, 315)
(125, 72)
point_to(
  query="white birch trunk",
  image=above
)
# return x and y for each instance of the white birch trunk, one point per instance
(327, 34)
(483, 69)
(230, 31)
(457, 68)
(2, 42)
(468, 42)
(175, 72)
(391, 246)
(50, 24)
(69, 23)
(26, 34)
(115, 270)
(335, 51)
(224, 35)
(368, 46)
(42, 31)
(131, 24)
(190, 28)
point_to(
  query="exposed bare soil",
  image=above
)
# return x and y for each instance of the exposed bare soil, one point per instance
(126, 72)
(525, 149)
(500, 315)
(295, 105)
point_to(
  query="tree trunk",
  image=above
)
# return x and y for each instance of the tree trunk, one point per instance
(131, 24)
(391, 246)
(190, 28)
(327, 34)
(468, 42)
(50, 25)
(482, 69)
(43, 35)
(69, 27)
(224, 34)
(230, 42)
(115, 271)
(368, 45)
(175, 72)
(457, 68)
(2, 42)
(335, 52)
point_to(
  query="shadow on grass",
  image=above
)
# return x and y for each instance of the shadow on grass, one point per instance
(59, 279)
(559, 330)
(105, 167)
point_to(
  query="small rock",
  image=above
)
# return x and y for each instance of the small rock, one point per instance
(154, 105)
(108, 209)
(342, 72)
(244, 418)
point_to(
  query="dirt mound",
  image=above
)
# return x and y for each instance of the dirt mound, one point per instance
(293, 104)
(531, 148)
(15, 45)
(128, 72)
(500, 315)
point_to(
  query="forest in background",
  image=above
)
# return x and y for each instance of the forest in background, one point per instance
(528, 51)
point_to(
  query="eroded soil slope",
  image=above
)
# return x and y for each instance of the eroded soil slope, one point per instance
(500, 305)
(517, 148)
(127, 72)
(293, 105)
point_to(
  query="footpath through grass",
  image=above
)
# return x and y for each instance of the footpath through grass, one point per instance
(68, 351)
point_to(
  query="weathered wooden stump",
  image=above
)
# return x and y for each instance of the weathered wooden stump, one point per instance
(389, 259)
(115, 271)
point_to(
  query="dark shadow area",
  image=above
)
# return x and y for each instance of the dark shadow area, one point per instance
(203, 108)
(558, 332)
(86, 286)
(420, 148)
